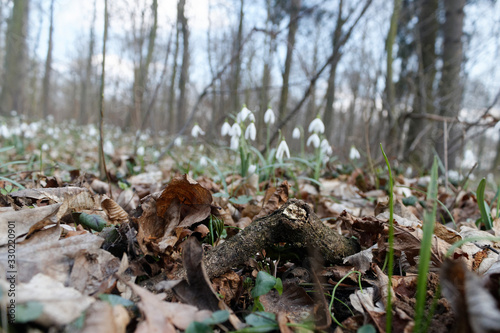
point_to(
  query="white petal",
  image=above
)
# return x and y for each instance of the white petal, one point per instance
(251, 169)
(236, 130)
(354, 153)
(251, 132)
(317, 126)
(282, 149)
(314, 139)
(226, 129)
(235, 142)
(296, 133)
(269, 117)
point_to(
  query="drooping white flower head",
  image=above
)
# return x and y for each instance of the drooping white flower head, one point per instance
(235, 130)
(235, 142)
(269, 117)
(226, 129)
(282, 150)
(140, 151)
(178, 142)
(317, 126)
(314, 139)
(243, 114)
(354, 153)
(325, 147)
(296, 133)
(251, 132)
(469, 159)
(46, 147)
(108, 148)
(197, 131)
(203, 161)
(251, 169)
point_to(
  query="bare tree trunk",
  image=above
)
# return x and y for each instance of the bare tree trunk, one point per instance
(102, 160)
(236, 67)
(48, 66)
(184, 77)
(292, 31)
(173, 83)
(339, 39)
(416, 151)
(450, 86)
(88, 70)
(393, 133)
(12, 95)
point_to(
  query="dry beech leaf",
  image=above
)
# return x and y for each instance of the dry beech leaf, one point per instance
(274, 198)
(161, 316)
(116, 214)
(103, 317)
(54, 194)
(24, 219)
(475, 308)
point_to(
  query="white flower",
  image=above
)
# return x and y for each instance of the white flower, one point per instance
(45, 147)
(269, 117)
(203, 161)
(317, 126)
(325, 147)
(92, 131)
(178, 142)
(296, 133)
(469, 159)
(196, 131)
(140, 151)
(251, 117)
(251, 132)
(108, 148)
(236, 130)
(243, 114)
(235, 142)
(314, 139)
(251, 169)
(354, 153)
(282, 149)
(226, 129)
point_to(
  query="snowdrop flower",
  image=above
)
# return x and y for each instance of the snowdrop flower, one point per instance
(296, 133)
(314, 139)
(108, 148)
(469, 159)
(226, 129)
(140, 151)
(269, 117)
(45, 147)
(282, 149)
(235, 142)
(354, 153)
(251, 169)
(196, 131)
(243, 114)
(317, 126)
(13, 113)
(251, 132)
(236, 130)
(178, 142)
(92, 131)
(203, 161)
(325, 147)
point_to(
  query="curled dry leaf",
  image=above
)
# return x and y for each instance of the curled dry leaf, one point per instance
(274, 198)
(181, 204)
(103, 317)
(116, 214)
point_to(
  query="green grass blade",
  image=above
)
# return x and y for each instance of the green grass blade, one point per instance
(13, 182)
(390, 268)
(485, 216)
(425, 249)
(470, 239)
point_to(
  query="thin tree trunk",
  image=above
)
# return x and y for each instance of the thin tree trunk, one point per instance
(88, 70)
(292, 31)
(236, 72)
(12, 95)
(450, 86)
(48, 66)
(184, 76)
(393, 133)
(415, 151)
(173, 83)
(102, 160)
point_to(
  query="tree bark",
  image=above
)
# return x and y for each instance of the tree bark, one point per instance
(102, 160)
(184, 75)
(48, 65)
(450, 86)
(415, 146)
(292, 31)
(12, 95)
(236, 67)
(88, 71)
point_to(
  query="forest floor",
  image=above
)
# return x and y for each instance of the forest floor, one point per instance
(189, 243)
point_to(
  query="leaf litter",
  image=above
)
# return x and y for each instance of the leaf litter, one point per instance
(151, 244)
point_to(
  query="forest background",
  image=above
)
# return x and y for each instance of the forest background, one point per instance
(418, 76)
